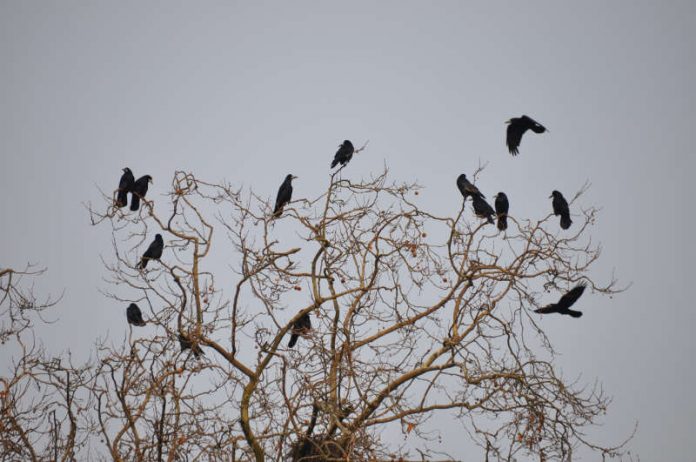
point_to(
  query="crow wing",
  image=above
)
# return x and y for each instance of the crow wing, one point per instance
(552, 308)
(125, 185)
(532, 124)
(467, 188)
(284, 196)
(483, 209)
(515, 130)
(571, 297)
(134, 315)
(501, 205)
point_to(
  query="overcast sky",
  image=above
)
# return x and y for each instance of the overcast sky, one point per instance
(248, 92)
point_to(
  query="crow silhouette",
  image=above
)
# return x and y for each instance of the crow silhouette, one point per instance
(516, 128)
(187, 344)
(134, 315)
(284, 195)
(153, 252)
(501, 210)
(300, 327)
(466, 188)
(560, 207)
(563, 305)
(344, 154)
(125, 185)
(139, 190)
(482, 209)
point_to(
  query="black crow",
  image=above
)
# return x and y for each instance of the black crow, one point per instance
(134, 315)
(501, 210)
(344, 154)
(301, 327)
(482, 209)
(564, 304)
(466, 188)
(560, 207)
(284, 195)
(186, 344)
(516, 128)
(125, 185)
(153, 252)
(139, 191)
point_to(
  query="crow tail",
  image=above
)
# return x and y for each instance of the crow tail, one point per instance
(502, 222)
(566, 221)
(122, 198)
(135, 202)
(293, 340)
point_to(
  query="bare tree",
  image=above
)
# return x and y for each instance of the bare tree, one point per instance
(413, 315)
(41, 395)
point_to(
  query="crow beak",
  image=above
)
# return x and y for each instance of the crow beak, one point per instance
(550, 196)
(150, 181)
(295, 177)
(508, 121)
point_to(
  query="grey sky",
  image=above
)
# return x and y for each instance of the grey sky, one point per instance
(249, 92)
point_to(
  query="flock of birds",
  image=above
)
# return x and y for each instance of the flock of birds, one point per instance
(517, 127)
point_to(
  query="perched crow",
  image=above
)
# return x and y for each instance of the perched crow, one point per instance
(302, 449)
(284, 195)
(139, 190)
(344, 154)
(516, 128)
(564, 304)
(482, 209)
(134, 316)
(466, 188)
(186, 344)
(501, 210)
(125, 185)
(153, 252)
(301, 327)
(560, 207)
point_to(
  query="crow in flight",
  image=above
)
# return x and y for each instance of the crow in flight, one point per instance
(134, 315)
(284, 195)
(301, 327)
(125, 185)
(466, 188)
(501, 210)
(560, 207)
(482, 209)
(139, 190)
(516, 128)
(564, 304)
(186, 344)
(344, 154)
(153, 252)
